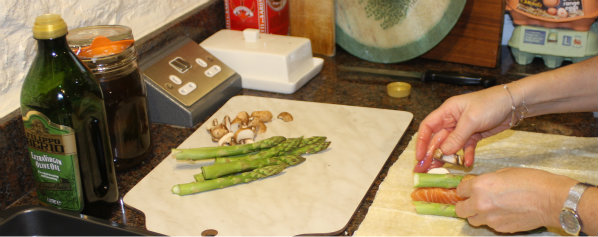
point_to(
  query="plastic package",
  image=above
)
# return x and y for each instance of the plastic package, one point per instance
(571, 14)
(553, 45)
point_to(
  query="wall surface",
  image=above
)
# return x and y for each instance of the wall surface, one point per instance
(17, 47)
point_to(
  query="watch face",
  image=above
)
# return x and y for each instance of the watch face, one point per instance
(570, 222)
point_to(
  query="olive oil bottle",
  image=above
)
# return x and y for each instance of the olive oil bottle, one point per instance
(65, 126)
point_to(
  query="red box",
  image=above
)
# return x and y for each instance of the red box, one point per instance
(269, 16)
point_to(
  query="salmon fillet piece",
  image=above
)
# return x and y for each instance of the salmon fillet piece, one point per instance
(436, 195)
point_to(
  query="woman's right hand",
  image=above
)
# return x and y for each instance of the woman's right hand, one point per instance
(460, 122)
(513, 199)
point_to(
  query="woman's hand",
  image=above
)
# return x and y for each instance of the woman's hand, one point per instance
(460, 122)
(513, 199)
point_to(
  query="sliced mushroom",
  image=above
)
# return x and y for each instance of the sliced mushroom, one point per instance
(258, 126)
(438, 170)
(452, 159)
(244, 133)
(243, 117)
(226, 122)
(226, 139)
(285, 116)
(218, 131)
(236, 124)
(264, 115)
(246, 141)
(214, 124)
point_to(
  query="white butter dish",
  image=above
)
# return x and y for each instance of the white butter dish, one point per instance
(266, 62)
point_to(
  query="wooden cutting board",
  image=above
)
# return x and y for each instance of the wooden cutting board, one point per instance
(318, 196)
(475, 38)
(314, 19)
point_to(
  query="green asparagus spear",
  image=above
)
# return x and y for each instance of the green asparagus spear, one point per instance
(277, 150)
(199, 177)
(440, 209)
(437, 209)
(309, 148)
(222, 169)
(312, 140)
(422, 180)
(220, 151)
(246, 177)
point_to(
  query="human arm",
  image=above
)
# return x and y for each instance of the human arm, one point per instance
(521, 199)
(461, 121)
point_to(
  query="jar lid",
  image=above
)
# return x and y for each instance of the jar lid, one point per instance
(100, 41)
(398, 89)
(102, 46)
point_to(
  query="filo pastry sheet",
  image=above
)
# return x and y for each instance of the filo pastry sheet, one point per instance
(392, 214)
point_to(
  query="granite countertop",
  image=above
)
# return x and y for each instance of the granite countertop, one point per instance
(333, 85)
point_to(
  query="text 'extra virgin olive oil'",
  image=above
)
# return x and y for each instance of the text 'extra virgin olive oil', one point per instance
(65, 126)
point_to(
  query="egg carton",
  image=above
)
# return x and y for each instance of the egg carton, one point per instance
(570, 14)
(553, 45)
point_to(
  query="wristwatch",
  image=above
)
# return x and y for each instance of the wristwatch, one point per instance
(570, 221)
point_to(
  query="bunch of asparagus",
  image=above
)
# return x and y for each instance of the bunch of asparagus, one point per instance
(245, 163)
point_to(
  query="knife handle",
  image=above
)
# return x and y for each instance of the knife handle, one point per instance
(462, 79)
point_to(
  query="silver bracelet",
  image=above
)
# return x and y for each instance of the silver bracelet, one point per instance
(518, 113)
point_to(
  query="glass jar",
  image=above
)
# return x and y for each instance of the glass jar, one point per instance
(109, 52)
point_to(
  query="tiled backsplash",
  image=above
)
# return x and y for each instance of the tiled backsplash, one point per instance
(15, 168)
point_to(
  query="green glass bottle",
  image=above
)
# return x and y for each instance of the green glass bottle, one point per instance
(65, 126)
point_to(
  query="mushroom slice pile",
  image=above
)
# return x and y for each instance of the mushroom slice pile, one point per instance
(243, 128)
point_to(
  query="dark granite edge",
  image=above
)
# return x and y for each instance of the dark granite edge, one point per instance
(10, 116)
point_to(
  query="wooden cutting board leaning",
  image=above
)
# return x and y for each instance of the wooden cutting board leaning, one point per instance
(475, 39)
(314, 19)
(318, 196)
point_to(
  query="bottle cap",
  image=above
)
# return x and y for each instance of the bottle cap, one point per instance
(49, 26)
(398, 89)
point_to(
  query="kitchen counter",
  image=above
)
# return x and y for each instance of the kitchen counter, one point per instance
(333, 85)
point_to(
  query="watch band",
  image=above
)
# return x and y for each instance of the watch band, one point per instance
(574, 195)
(569, 218)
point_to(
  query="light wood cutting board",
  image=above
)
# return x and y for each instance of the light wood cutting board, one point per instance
(318, 196)
(314, 19)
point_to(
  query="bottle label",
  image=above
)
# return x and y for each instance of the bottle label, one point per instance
(53, 154)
